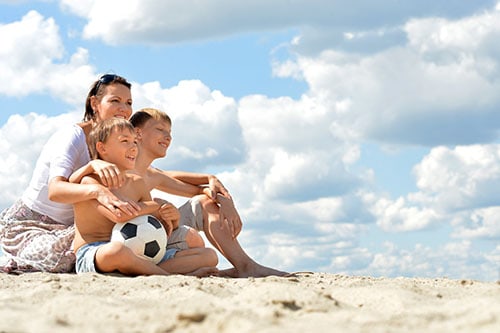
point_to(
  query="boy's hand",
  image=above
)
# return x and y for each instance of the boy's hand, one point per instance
(109, 173)
(169, 215)
(229, 213)
(215, 186)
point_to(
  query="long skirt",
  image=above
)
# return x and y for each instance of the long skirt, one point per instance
(33, 242)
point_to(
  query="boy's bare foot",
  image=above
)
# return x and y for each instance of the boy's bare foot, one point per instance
(204, 272)
(251, 270)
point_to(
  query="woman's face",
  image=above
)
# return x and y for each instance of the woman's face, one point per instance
(116, 102)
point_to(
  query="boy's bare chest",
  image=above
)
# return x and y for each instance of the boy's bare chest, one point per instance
(128, 191)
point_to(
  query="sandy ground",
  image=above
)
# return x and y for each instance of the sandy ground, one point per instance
(309, 302)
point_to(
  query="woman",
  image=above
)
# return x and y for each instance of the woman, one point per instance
(37, 231)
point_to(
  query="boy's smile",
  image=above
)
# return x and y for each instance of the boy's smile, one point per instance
(156, 137)
(121, 149)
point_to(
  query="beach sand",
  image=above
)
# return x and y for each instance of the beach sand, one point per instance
(309, 302)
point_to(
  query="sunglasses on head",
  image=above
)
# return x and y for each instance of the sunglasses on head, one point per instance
(105, 79)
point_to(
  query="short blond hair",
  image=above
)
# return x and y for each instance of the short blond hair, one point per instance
(102, 131)
(139, 118)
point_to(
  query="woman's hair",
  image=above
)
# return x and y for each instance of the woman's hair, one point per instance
(102, 131)
(139, 118)
(97, 90)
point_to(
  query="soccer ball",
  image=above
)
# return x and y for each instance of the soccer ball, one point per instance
(144, 234)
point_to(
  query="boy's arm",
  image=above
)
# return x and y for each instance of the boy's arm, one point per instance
(216, 191)
(164, 182)
(198, 179)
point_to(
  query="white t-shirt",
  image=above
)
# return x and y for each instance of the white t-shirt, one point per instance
(65, 152)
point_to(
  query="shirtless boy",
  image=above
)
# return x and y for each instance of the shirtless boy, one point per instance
(217, 217)
(114, 141)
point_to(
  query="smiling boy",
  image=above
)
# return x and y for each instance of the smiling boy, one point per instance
(217, 217)
(114, 141)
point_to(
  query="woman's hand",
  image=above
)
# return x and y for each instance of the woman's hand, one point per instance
(114, 204)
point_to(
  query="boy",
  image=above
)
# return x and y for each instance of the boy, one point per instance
(219, 220)
(114, 141)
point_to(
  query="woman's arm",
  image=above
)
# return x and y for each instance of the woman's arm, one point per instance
(109, 173)
(76, 177)
(60, 190)
(145, 208)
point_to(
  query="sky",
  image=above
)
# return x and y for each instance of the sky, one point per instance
(356, 137)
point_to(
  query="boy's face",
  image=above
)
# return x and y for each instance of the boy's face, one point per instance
(155, 137)
(120, 149)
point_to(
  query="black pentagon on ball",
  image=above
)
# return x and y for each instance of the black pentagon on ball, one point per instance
(129, 230)
(151, 249)
(154, 222)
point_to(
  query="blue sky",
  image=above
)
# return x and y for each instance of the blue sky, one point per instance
(356, 137)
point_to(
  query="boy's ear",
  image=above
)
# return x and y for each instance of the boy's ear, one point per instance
(100, 147)
(138, 133)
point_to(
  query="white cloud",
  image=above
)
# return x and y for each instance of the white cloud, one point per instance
(163, 22)
(449, 260)
(21, 140)
(32, 61)
(304, 200)
(424, 91)
(293, 151)
(205, 127)
(81, 8)
(27, 45)
(459, 186)
(481, 223)
(397, 215)
(462, 178)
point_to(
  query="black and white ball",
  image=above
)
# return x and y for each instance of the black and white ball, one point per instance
(144, 234)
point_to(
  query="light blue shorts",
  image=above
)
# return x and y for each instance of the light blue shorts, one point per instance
(85, 257)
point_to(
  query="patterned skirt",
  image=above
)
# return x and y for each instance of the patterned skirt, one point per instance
(33, 242)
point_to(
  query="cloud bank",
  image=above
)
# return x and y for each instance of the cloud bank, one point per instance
(423, 75)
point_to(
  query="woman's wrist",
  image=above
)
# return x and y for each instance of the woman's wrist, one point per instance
(96, 191)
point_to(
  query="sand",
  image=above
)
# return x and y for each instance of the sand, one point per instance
(309, 302)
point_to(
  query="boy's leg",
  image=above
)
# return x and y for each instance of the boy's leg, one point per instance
(115, 256)
(190, 260)
(203, 214)
(185, 237)
(194, 239)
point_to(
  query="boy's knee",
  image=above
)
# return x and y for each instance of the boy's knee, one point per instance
(194, 239)
(115, 252)
(211, 257)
